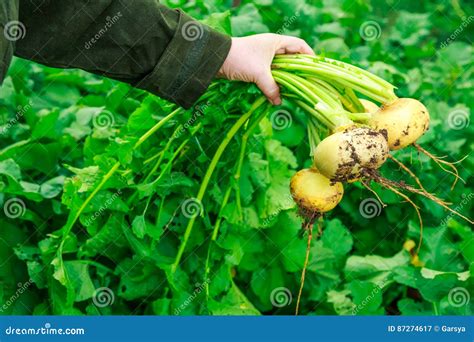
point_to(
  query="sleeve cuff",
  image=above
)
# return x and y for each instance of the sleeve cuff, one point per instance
(189, 63)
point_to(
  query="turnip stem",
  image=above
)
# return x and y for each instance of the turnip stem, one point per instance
(240, 161)
(355, 78)
(156, 127)
(207, 177)
(331, 73)
(337, 64)
(329, 124)
(237, 172)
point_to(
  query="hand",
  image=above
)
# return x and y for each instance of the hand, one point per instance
(250, 60)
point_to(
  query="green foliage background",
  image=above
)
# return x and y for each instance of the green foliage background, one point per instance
(54, 152)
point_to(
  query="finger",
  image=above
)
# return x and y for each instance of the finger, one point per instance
(269, 87)
(293, 45)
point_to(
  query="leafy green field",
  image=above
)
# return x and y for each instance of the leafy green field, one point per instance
(99, 196)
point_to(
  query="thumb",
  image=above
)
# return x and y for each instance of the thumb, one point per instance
(269, 87)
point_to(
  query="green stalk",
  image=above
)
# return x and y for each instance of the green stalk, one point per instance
(313, 135)
(320, 93)
(215, 232)
(310, 110)
(288, 80)
(339, 64)
(325, 96)
(359, 117)
(172, 159)
(355, 80)
(156, 127)
(341, 83)
(327, 116)
(326, 87)
(348, 93)
(333, 73)
(238, 169)
(207, 177)
(157, 164)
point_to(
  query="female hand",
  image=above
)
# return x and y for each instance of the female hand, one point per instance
(250, 60)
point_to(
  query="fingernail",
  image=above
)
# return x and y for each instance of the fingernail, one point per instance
(277, 102)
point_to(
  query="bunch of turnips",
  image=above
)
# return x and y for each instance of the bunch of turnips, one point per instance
(350, 137)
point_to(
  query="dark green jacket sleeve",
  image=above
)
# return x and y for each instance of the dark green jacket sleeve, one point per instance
(10, 31)
(140, 42)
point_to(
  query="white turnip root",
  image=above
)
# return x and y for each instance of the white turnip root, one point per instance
(369, 106)
(315, 193)
(405, 121)
(344, 155)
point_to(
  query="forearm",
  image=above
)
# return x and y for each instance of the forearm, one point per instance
(144, 43)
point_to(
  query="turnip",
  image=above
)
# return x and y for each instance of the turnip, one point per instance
(314, 193)
(404, 119)
(344, 155)
(369, 106)
(350, 138)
